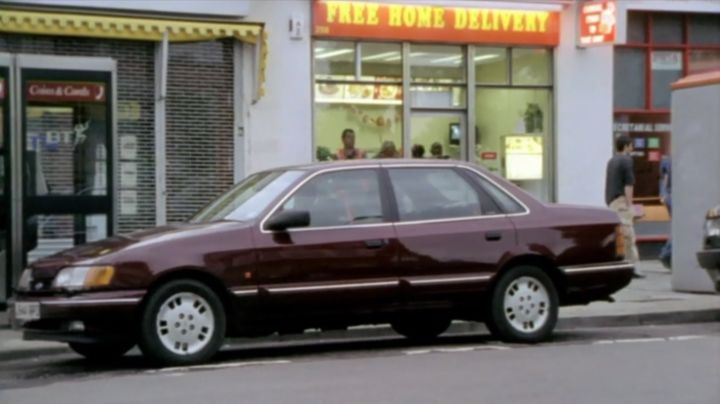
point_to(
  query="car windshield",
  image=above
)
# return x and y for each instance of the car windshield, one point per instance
(246, 200)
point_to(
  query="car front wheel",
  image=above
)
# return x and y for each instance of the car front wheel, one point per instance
(183, 322)
(524, 306)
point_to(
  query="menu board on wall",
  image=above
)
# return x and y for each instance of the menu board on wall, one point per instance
(523, 157)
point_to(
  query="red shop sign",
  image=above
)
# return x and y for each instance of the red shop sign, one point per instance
(597, 23)
(488, 155)
(65, 91)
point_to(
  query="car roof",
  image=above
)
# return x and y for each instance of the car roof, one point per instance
(377, 162)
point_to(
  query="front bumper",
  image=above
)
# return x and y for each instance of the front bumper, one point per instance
(83, 317)
(710, 260)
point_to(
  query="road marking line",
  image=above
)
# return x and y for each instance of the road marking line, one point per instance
(218, 366)
(687, 337)
(457, 350)
(452, 350)
(654, 339)
(418, 352)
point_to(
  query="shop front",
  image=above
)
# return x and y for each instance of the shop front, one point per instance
(429, 81)
(110, 124)
(660, 48)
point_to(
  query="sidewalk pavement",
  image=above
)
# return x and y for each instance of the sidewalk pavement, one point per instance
(645, 301)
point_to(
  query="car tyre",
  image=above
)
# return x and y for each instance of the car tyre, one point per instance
(183, 323)
(421, 329)
(102, 351)
(524, 306)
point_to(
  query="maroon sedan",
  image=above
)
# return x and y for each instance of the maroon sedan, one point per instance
(415, 244)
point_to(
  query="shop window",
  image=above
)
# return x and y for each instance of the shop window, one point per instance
(531, 66)
(666, 69)
(629, 93)
(512, 136)
(371, 108)
(334, 60)
(433, 96)
(437, 135)
(636, 27)
(437, 64)
(704, 29)
(667, 28)
(703, 61)
(491, 65)
(374, 126)
(381, 61)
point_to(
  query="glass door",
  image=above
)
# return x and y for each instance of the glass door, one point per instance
(66, 140)
(439, 135)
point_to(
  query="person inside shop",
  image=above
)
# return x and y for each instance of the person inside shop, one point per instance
(436, 151)
(349, 151)
(619, 185)
(418, 151)
(388, 150)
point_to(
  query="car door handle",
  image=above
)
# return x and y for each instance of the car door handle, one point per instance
(493, 236)
(375, 244)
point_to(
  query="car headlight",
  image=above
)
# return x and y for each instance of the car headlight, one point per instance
(25, 280)
(76, 278)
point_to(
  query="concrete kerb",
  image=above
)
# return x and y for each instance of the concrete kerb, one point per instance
(456, 329)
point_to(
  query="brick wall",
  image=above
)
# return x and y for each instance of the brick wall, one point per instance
(135, 94)
(199, 125)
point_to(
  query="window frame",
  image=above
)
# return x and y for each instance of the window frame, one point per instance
(385, 203)
(649, 46)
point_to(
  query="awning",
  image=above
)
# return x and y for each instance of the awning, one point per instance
(133, 28)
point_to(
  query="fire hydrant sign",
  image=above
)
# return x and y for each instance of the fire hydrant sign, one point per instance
(597, 23)
(65, 91)
(434, 23)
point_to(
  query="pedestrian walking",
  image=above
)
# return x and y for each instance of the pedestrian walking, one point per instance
(619, 185)
(666, 198)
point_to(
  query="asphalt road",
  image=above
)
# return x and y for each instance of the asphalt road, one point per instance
(660, 364)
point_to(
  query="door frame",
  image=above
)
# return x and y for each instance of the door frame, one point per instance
(16, 63)
(6, 278)
(465, 141)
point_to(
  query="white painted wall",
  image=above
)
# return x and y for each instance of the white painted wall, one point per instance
(584, 98)
(279, 126)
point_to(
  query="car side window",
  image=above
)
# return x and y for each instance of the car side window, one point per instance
(433, 193)
(340, 198)
(506, 203)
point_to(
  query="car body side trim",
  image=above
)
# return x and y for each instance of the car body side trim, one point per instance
(341, 286)
(620, 266)
(124, 300)
(478, 278)
(245, 292)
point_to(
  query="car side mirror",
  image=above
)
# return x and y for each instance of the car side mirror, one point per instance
(288, 219)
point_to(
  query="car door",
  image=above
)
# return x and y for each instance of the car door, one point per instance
(452, 236)
(343, 261)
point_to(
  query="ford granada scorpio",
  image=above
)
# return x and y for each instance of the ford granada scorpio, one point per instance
(414, 244)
